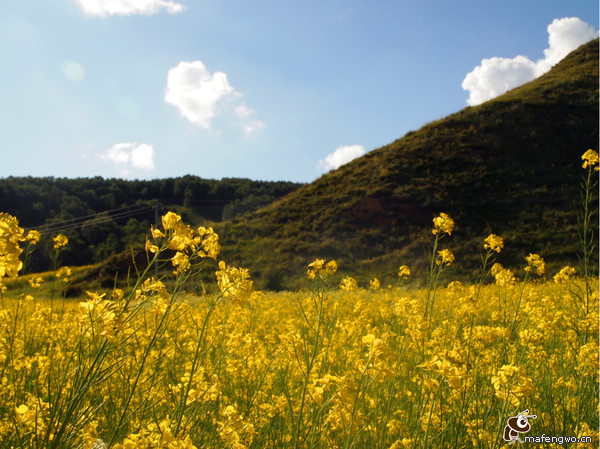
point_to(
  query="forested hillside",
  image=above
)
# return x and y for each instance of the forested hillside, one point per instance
(102, 217)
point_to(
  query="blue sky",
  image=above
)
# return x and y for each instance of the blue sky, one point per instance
(267, 90)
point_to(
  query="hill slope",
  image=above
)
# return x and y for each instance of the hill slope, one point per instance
(509, 166)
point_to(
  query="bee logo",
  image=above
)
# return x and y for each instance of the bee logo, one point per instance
(516, 425)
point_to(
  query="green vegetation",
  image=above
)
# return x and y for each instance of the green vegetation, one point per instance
(506, 166)
(54, 205)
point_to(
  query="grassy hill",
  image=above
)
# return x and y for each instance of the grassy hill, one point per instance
(509, 166)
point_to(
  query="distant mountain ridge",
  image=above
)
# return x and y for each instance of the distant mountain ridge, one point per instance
(509, 166)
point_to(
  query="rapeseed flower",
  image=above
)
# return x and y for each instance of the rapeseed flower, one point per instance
(443, 224)
(535, 264)
(314, 267)
(10, 236)
(375, 284)
(60, 241)
(234, 282)
(317, 267)
(33, 236)
(502, 275)
(511, 384)
(349, 284)
(63, 273)
(403, 272)
(209, 242)
(36, 281)
(494, 243)
(564, 274)
(445, 258)
(590, 159)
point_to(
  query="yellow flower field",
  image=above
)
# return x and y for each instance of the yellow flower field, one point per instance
(336, 366)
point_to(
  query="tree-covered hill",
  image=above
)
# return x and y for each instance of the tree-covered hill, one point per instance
(103, 217)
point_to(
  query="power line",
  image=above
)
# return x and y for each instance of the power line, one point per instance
(87, 216)
(99, 219)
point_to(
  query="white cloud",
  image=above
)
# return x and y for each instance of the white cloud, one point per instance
(130, 156)
(73, 70)
(104, 8)
(342, 155)
(254, 125)
(201, 95)
(564, 36)
(243, 111)
(497, 75)
(193, 90)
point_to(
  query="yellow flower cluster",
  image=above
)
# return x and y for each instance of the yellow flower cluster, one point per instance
(564, 274)
(445, 258)
(245, 380)
(10, 236)
(234, 282)
(63, 274)
(180, 237)
(403, 272)
(512, 384)
(319, 267)
(535, 264)
(60, 241)
(590, 159)
(349, 284)
(494, 243)
(443, 224)
(502, 275)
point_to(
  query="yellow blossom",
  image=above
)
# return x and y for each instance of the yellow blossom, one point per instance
(535, 264)
(156, 233)
(60, 241)
(317, 267)
(374, 284)
(445, 258)
(349, 284)
(564, 274)
(35, 282)
(511, 384)
(503, 276)
(403, 272)
(314, 267)
(63, 273)
(170, 220)
(234, 282)
(181, 262)
(209, 242)
(494, 243)
(33, 236)
(590, 159)
(443, 223)
(10, 236)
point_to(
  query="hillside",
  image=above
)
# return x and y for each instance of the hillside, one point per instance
(509, 166)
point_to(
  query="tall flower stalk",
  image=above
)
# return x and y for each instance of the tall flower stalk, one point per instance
(586, 236)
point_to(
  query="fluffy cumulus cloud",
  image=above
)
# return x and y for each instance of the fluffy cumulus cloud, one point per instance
(130, 157)
(104, 8)
(497, 75)
(195, 91)
(342, 155)
(201, 95)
